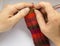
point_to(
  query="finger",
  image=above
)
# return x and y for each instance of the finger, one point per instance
(56, 7)
(8, 10)
(40, 19)
(22, 5)
(19, 15)
(48, 8)
(37, 6)
(15, 7)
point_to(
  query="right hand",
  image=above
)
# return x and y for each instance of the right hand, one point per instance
(51, 29)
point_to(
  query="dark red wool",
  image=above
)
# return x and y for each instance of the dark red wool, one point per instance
(38, 37)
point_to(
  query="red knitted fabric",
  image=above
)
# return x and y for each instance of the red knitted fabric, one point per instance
(38, 38)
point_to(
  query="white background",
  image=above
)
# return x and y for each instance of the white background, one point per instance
(19, 35)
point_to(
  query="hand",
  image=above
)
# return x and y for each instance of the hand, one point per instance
(51, 29)
(7, 17)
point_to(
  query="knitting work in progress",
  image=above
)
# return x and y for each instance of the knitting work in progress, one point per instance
(38, 37)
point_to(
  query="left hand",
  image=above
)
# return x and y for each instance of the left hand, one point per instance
(7, 17)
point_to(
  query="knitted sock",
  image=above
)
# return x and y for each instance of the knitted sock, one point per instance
(38, 37)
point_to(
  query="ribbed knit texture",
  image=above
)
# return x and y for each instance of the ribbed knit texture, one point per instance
(38, 37)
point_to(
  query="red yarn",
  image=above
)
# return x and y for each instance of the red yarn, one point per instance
(38, 37)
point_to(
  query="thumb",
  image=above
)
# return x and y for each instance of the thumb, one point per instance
(40, 19)
(19, 15)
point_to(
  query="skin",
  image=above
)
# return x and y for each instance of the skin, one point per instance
(7, 17)
(51, 29)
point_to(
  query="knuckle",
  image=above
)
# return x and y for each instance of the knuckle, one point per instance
(8, 5)
(23, 3)
(45, 3)
(49, 4)
(56, 19)
(42, 2)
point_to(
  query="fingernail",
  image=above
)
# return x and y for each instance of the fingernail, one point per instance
(27, 9)
(36, 11)
(24, 11)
